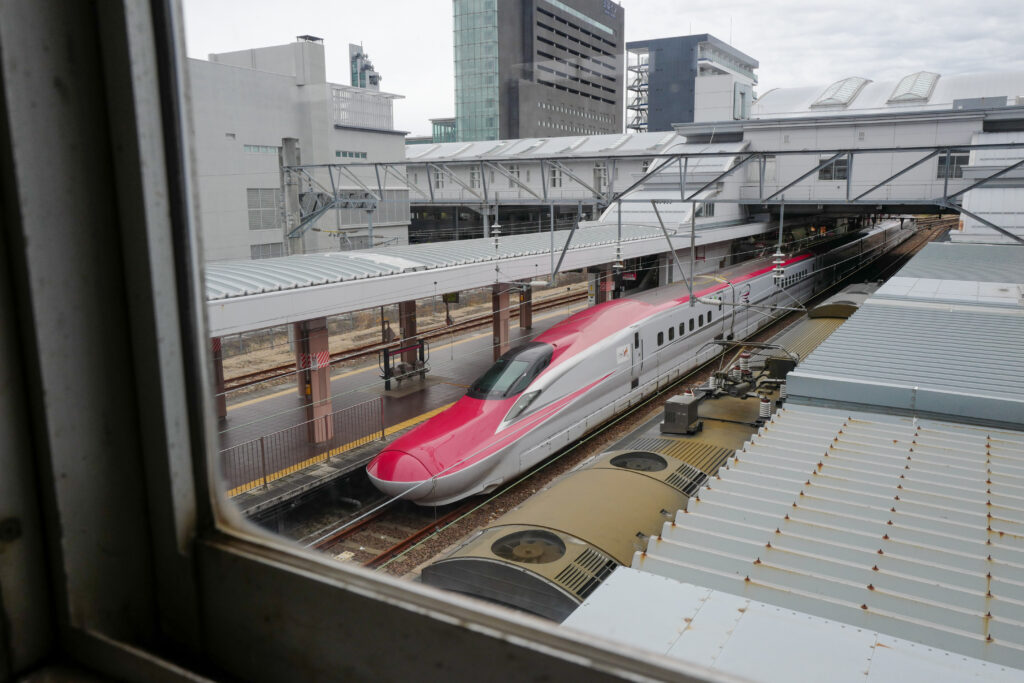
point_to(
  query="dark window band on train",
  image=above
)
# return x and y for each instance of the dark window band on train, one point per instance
(682, 329)
(513, 372)
(691, 324)
(700, 320)
(661, 338)
(671, 333)
(636, 340)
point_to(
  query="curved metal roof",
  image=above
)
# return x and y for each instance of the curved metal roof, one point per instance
(920, 91)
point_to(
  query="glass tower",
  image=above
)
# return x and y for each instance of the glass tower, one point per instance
(476, 69)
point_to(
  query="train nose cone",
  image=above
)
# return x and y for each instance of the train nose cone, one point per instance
(400, 475)
(397, 466)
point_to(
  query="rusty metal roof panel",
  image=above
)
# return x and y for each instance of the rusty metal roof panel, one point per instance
(909, 527)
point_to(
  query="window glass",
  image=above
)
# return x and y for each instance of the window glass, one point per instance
(513, 372)
(524, 402)
(834, 171)
(671, 333)
(955, 168)
(691, 324)
(661, 338)
(700, 320)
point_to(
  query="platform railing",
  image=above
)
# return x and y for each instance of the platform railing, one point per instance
(258, 462)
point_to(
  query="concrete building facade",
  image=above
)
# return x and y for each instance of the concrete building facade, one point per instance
(555, 67)
(257, 110)
(686, 79)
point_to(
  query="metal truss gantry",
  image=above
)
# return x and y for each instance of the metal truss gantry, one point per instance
(681, 169)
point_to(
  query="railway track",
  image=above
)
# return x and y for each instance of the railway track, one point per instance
(387, 531)
(360, 352)
(377, 540)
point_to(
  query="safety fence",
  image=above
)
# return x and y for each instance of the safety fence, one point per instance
(255, 463)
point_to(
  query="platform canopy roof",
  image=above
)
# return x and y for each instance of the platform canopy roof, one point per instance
(564, 148)
(249, 295)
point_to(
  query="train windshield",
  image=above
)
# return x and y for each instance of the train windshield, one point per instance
(513, 372)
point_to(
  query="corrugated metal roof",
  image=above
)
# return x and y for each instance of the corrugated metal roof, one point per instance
(913, 528)
(762, 642)
(944, 360)
(227, 279)
(975, 262)
(566, 148)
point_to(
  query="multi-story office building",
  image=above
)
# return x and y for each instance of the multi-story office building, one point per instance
(687, 79)
(554, 68)
(256, 110)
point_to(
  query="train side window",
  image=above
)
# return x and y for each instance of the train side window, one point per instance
(691, 324)
(661, 338)
(671, 333)
(709, 317)
(700, 320)
(636, 340)
(682, 328)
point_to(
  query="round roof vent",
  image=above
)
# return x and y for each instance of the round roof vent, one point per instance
(641, 461)
(533, 546)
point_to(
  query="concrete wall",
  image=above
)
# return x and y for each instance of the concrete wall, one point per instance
(234, 107)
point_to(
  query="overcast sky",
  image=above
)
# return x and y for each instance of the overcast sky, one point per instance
(796, 42)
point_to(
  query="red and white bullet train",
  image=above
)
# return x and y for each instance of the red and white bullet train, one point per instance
(543, 395)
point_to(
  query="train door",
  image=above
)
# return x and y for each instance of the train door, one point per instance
(638, 359)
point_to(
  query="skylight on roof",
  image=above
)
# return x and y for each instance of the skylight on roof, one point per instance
(841, 93)
(916, 87)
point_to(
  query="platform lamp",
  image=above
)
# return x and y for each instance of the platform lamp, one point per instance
(778, 258)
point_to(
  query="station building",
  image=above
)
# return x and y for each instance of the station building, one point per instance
(257, 110)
